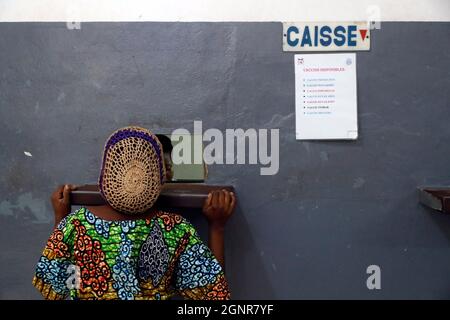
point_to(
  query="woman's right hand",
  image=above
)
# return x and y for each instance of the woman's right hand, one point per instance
(219, 207)
(61, 201)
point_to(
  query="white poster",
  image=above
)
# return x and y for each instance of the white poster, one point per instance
(325, 96)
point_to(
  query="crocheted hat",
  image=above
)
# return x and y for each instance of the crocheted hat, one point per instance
(132, 171)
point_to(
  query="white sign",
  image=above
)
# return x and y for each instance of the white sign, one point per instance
(325, 96)
(323, 36)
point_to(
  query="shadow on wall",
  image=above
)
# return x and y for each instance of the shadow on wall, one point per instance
(442, 220)
(242, 257)
(247, 275)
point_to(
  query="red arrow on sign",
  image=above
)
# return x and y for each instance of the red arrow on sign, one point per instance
(363, 33)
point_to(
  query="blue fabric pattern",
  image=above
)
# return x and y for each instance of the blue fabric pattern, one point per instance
(53, 272)
(197, 267)
(125, 281)
(101, 226)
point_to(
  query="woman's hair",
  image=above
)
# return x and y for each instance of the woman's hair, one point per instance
(132, 171)
(165, 142)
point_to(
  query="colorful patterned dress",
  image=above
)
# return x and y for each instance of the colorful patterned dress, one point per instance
(87, 257)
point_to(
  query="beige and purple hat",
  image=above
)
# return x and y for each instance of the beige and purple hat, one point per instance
(132, 170)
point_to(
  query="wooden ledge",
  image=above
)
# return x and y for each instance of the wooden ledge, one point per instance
(437, 198)
(173, 195)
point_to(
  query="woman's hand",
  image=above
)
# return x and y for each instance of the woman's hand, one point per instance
(61, 202)
(218, 207)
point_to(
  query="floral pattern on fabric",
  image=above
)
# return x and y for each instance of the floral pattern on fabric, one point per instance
(197, 267)
(219, 291)
(170, 220)
(125, 281)
(127, 225)
(62, 224)
(101, 226)
(153, 258)
(56, 246)
(176, 256)
(53, 272)
(89, 256)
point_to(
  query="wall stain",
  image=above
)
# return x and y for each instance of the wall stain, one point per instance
(26, 205)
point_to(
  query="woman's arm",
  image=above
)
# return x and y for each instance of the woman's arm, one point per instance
(61, 202)
(218, 207)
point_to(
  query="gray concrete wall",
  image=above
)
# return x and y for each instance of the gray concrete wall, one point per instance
(308, 232)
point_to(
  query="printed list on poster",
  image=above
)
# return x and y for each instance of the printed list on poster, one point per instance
(325, 96)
